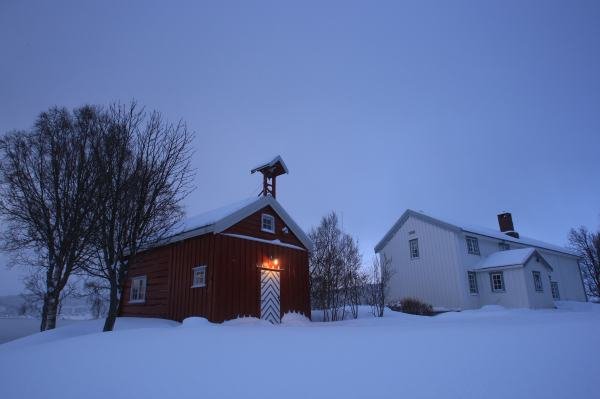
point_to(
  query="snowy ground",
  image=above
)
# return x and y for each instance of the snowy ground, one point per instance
(491, 353)
(16, 327)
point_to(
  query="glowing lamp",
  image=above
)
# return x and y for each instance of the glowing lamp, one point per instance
(271, 264)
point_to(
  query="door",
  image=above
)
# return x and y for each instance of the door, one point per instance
(269, 296)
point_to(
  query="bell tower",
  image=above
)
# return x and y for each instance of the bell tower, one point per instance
(270, 171)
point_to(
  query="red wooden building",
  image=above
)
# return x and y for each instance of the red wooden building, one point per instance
(246, 259)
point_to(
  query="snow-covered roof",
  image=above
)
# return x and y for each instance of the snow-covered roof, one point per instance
(271, 163)
(513, 257)
(213, 216)
(218, 220)
(482, 231)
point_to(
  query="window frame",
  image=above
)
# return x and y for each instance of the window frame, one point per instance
(553, 285)
(410, 248)
(473, 288)
(262, 223)
(473, 249)
(537, 278)
(139, 299)
(201, 284)
(501, 274)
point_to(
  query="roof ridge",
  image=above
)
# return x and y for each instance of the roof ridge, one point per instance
(474, 229)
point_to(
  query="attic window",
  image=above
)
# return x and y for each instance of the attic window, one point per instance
(504, 246)
(267, 223)
(414, 248)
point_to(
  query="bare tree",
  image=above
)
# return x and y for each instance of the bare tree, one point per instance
(96, 294)
(334, 269)
(353, 279)
(381, 275)
(35, 292)
(587, 244)
(47, 191)
(143, 173)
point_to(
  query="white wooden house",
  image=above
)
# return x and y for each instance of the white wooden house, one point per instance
(454, 266)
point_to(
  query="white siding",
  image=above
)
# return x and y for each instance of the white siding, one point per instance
(566, 270)
(515, 294)
(465, 264)
(538, 299)
(566, 273)
(434, 277)
(439, 276)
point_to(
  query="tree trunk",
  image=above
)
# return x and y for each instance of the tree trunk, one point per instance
(113, 308)
(44, 313)
(51, 311)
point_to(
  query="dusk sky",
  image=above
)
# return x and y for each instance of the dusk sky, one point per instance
(459, 109)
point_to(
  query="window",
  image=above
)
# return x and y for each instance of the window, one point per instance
(138, 289)
(497, 281)
(473, 245)
(537, 281)
(473, 283)
(199, 277)
(504, 246)
(414, 248)
(268, 223)
(555, 292)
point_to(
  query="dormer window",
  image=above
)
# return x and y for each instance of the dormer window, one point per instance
(267, 223)
(504, 246)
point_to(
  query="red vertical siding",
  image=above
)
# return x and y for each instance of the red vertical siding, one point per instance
(153, 264)
(232, 275)
(251, 226)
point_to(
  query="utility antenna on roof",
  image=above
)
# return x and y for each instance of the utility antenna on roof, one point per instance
(270, 171)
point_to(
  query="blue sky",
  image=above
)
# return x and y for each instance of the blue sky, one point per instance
(460, 109)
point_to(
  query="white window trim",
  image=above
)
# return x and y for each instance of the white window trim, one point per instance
(199, 285)
(133, 280)
(410, 248)
(503, 289)
(262, 225)
(474, 244)
(469, 274)
(555, 293)
(535, 286)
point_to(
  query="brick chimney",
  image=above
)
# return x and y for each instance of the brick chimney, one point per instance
(506, 224)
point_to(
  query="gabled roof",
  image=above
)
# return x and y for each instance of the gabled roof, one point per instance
(510, 258)
(272, 163)
(482, 231)
(219, 220)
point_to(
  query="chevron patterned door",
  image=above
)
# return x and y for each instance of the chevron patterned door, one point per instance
(269, 296)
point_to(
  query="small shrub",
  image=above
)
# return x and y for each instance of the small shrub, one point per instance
(413, 306)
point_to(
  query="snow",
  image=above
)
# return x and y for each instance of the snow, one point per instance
(192, 322)
(272, 162)
(512, 257)
(213, 216)
(12, 328)
(71, 328)
(272, 242)
(490, 352)
(484, 231)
